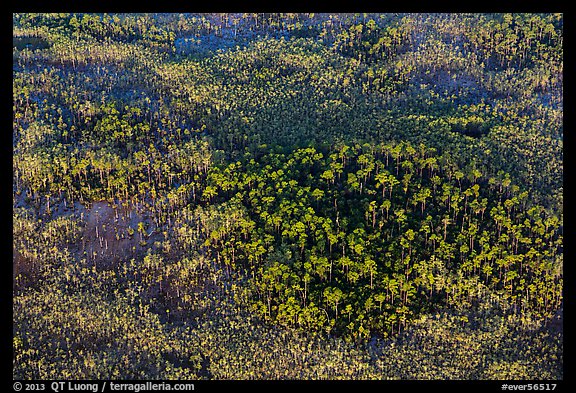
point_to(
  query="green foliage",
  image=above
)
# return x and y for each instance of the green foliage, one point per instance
(287, 195)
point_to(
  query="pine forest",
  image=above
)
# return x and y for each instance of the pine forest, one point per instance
(276, 196)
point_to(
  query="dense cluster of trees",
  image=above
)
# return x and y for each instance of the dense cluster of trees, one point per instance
(306, 182)
(361, 238)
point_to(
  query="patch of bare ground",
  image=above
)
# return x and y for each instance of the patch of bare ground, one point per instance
(115, 232)
(556, 323)
(22, 267)
(112, 232)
